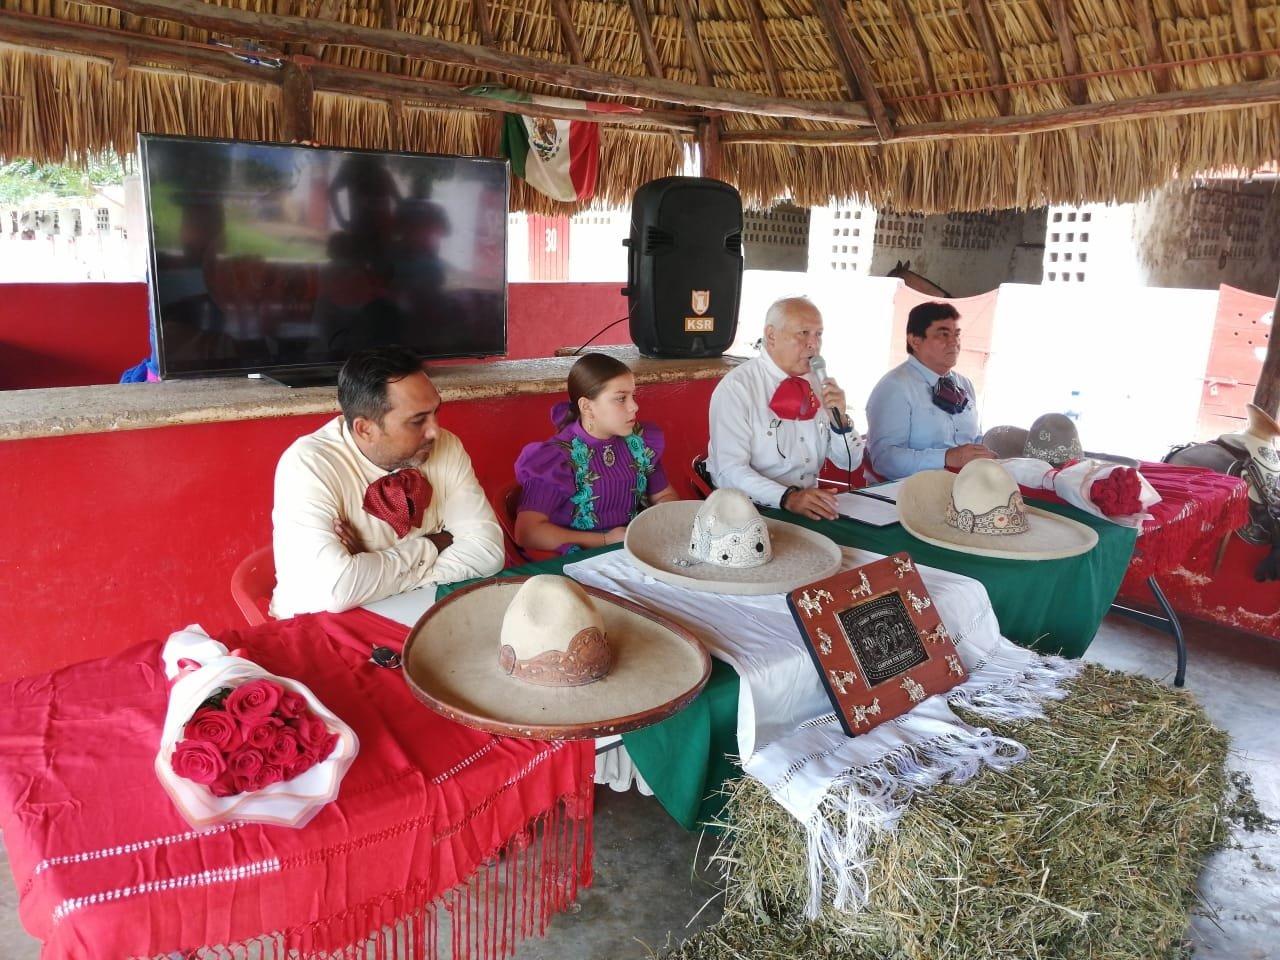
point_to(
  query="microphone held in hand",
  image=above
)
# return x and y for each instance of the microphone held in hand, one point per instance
(819, 368)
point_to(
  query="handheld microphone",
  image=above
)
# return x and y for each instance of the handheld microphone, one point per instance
(819, 368)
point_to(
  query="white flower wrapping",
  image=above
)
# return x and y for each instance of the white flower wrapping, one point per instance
(1073, 484)
(291, 803)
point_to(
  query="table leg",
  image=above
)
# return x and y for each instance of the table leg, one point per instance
(1167, 624)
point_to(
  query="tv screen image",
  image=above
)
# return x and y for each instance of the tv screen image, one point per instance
(270, 258)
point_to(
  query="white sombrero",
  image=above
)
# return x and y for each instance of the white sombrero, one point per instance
(548, 659)
(723, 545)
(981, 511)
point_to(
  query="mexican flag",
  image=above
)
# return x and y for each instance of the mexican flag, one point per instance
(559, 158)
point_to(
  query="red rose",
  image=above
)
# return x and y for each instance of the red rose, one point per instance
(253, 700)
(244, 766)
(299, 766)
(224, 786)
(198, 760)
(260, 733)
(283, 749)
(214, 726)
(269, 774)
(312, 731)
(292, 705)
(326, 748)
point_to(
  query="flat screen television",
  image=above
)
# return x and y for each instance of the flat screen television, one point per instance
(283, 260)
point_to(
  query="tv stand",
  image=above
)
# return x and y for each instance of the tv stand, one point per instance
(301, 377)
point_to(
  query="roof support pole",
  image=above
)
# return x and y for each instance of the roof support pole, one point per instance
(296, 94)
(1267, 392)
(709, 148)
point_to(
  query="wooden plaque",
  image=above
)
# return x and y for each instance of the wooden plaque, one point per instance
(877, 640)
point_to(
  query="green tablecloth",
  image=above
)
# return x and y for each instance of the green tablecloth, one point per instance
(1054, 606)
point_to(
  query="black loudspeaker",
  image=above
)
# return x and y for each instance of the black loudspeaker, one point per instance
(684, 267)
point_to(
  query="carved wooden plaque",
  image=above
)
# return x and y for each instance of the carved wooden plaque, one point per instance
(877, 640)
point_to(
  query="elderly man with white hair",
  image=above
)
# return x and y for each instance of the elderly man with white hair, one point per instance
(772, 423)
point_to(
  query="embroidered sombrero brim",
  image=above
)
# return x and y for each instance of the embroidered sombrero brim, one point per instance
(451, 665)
(658, 542)
(922, 508)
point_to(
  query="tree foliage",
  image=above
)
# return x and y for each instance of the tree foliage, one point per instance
(23, 179)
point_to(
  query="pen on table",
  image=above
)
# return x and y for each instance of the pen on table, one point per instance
(874, 496)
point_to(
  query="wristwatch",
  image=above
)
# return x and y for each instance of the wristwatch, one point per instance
(782, 500)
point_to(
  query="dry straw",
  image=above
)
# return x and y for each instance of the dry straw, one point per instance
(1089, 850)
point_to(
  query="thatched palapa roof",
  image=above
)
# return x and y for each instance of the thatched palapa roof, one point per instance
(926, 105)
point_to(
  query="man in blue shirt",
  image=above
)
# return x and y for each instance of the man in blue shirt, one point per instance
(922, 415)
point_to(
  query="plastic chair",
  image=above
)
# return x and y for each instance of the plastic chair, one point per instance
(252, 584)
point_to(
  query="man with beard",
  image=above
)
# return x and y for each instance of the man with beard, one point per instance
(379, 500)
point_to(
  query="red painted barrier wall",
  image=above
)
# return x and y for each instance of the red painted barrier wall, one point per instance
(114, 538)
(77, 334)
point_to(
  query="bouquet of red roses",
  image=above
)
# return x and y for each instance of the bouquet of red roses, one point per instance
(248, 737)
(1105, 489)
(241, 744)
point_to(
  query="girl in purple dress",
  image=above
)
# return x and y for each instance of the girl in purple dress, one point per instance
(584, 485)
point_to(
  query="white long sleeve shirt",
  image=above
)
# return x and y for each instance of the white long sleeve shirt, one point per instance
(751, 449)
(322, 477)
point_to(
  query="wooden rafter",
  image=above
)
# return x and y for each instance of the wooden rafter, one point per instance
(297, 118)
(1061, 17)
(1145, 21)
(42, 35)
(326, 10)
(924, 69)
(641, 17)
(567, 30)
(391, 21)
(987, 37)
(484, 25)
(282, 29)
(693, 42)
(853, 65)
(765, 48)
(1249, 94)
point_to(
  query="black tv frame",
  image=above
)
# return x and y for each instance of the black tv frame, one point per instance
(318, 372)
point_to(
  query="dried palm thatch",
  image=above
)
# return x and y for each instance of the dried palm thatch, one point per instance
(921, 105)
(1089, 849)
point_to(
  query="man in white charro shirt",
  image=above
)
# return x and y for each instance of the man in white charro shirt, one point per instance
(379, 500)
(771, 424)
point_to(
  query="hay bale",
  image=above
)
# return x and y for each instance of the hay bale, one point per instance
(1088, 849)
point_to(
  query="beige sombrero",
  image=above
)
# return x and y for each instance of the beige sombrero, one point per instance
(981, 511)
(546, 658)
(723, 545)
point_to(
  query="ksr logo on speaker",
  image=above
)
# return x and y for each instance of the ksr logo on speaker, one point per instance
(700, 301)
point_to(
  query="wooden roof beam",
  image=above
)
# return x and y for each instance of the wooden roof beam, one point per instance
(567, 31)
(484, 25)
(1067, 44)
(853, 64)
(696, 53)
(123, 49)
(327, 10)
(1145, 21)
(379, 86)
(766, 51)
(987, 37)
(645, 32)
(283, 29)
(924, 69)
(1249, 94)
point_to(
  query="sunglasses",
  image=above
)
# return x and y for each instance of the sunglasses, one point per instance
(949, 396)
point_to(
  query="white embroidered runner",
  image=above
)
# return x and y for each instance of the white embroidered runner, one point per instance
(844, 788)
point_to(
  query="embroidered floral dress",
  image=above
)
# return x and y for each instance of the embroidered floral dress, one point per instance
(583, 483)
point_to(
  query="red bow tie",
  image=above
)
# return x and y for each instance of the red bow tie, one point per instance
(399, 498)
(795, 400)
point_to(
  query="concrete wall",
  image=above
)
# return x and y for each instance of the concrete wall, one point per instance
(1222, 232)
(964, 253)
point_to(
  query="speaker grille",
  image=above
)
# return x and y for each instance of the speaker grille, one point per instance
(733, 243)
(657, 240)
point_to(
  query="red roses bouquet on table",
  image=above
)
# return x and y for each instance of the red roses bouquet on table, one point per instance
(241, 744)
(1105, 489)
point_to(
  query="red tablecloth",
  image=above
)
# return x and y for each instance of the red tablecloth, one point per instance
(1197, 508)
(105, 866)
